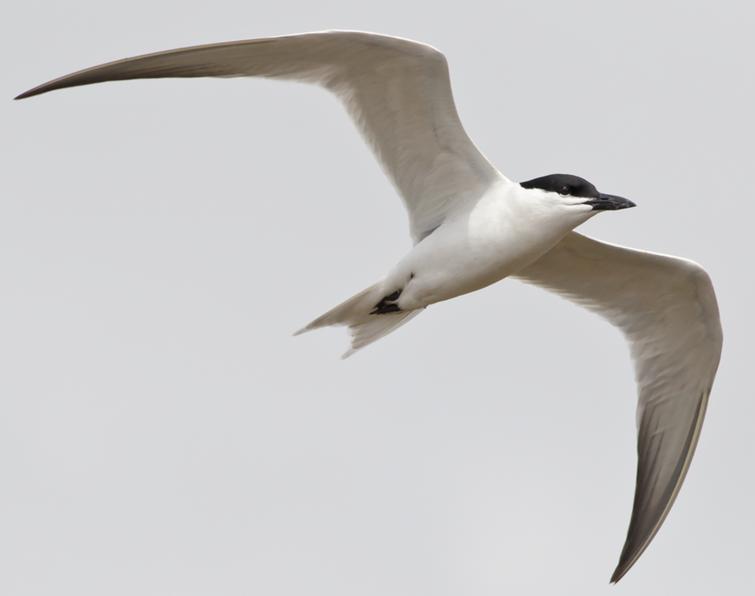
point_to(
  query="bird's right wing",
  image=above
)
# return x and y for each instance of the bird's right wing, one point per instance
(397, 91)
(667, 310)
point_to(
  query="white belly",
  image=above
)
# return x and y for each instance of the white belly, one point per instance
(476, 249)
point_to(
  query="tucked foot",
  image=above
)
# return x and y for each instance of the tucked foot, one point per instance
(387, 304)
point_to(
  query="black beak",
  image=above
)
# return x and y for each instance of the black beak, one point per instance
(609, 203)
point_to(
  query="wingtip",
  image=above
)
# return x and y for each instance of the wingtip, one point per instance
(31, 92)
(625, 564)
(38, 90)
(617, 575)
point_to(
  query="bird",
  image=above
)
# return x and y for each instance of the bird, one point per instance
(472, 226)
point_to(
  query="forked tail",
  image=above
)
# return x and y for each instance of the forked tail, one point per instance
(358, 313)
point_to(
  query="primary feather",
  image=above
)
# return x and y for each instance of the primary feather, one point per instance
(397, 92)
(666, 308)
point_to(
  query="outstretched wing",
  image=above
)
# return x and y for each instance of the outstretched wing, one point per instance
(397, 91)
(667, 310)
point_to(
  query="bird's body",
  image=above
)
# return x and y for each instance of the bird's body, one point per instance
(485, 240)
(472, 226)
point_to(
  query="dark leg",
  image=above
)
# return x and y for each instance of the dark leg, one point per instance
(387, 304)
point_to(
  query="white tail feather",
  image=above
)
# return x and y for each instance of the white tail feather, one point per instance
(365, 328)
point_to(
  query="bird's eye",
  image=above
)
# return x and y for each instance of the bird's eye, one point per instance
(564, 190)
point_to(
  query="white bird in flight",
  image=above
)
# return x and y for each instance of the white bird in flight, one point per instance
(472, 227)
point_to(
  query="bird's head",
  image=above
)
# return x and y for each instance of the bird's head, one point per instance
(576, 191)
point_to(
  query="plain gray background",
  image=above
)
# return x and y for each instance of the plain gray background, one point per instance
(161, 432)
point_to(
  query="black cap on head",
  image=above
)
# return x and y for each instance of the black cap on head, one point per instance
(564, 184)
(574, 186)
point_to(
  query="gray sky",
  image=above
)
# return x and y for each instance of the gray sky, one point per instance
(162, 433)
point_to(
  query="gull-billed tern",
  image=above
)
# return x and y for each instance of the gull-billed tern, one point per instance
(472, 227)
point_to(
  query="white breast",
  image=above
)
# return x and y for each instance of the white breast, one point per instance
(501, 233)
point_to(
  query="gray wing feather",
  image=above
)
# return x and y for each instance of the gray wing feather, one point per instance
(397, 91)
(667, 309)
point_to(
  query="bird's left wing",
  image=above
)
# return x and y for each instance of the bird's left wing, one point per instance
(667, 310)
(396, 90)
